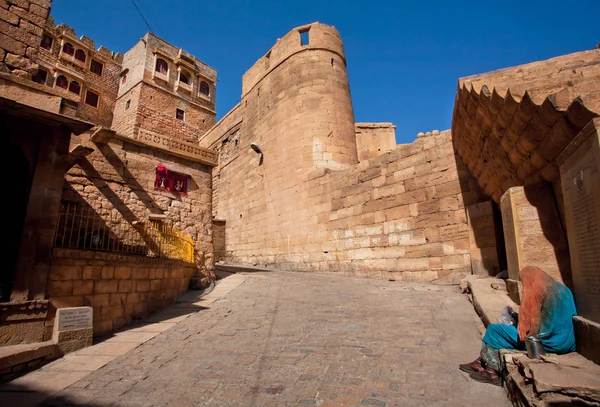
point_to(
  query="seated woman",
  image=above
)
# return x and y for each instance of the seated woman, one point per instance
(547, 310)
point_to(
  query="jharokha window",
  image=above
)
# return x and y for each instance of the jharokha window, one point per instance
(46, 42)
(68, 49)
(75, 87)
(204, 88)
(184, 78)
(91, 98)
(80, 55)
(62, 82)
(161, 66)
(171, 181)
(96, 67)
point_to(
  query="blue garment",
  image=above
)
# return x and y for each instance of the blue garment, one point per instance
(556, 322)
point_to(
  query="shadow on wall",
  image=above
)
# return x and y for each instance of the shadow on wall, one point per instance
(82, 226)
(543, 198)
(486, 237)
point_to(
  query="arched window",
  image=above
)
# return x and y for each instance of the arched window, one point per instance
(62, 82)
(183, 77)
(162, 66)
(68, 49)
(204, 88)
(80, 55)
(75, 87)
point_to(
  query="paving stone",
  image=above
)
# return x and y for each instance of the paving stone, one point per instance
(304, 339)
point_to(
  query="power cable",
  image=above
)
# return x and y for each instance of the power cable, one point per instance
(148, 10)
(141, 15)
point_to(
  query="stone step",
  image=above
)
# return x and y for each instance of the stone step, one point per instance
(15, 359)
(235, 268)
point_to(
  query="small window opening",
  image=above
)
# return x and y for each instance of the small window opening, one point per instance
(124, 79)
(47, 42)
(184, 78)
(179, 114)
(68, 49)
(204, 88)
(304, 40)
(91, 98)
(75, 87)
(96, 67)
(127, 104)
(161, 66)
(62, 82)
(80, 55)
(40, 77)
(331, 61)
(171, 181)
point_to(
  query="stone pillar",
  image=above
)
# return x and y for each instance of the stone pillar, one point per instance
(580, 178)
(42, 216)
(482, 239)
(533, 232)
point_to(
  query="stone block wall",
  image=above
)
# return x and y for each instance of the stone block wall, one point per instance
(21, 26)
(118, 178)
(399, 216)
(374, 139)
(120, 288)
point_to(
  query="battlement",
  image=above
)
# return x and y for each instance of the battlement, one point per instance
(68, 33)
(307, 37)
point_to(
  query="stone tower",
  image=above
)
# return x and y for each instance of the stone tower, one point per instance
(296, 108)
(164, 90)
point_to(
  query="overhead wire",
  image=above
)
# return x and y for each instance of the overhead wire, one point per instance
(148, 11)
(141, 15)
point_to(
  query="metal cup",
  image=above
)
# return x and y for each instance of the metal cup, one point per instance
(534, 346)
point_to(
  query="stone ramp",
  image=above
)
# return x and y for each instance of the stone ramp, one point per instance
(35, 387)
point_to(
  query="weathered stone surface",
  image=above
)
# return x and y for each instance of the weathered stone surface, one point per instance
(581, 381)
(587, 338)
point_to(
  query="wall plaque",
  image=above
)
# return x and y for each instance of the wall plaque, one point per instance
(74, 318)
(580, 178)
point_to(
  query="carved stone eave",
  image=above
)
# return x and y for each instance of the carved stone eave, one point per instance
(511, 140)
(169, 145)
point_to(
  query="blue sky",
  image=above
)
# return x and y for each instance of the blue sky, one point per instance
(404, 57)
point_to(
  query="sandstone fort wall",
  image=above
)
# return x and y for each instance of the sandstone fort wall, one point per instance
(305, 203)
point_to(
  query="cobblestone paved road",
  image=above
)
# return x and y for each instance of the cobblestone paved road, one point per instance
(297, 339)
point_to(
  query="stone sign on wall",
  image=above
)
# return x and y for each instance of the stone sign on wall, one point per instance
(580, 177)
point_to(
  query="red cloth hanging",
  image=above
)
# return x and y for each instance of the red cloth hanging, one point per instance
(170, 181)
(162, 177)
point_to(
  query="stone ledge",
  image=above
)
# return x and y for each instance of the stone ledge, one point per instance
(488, 302)
(18, 358)
(23, 310)
(587, 337)
(564, 379)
